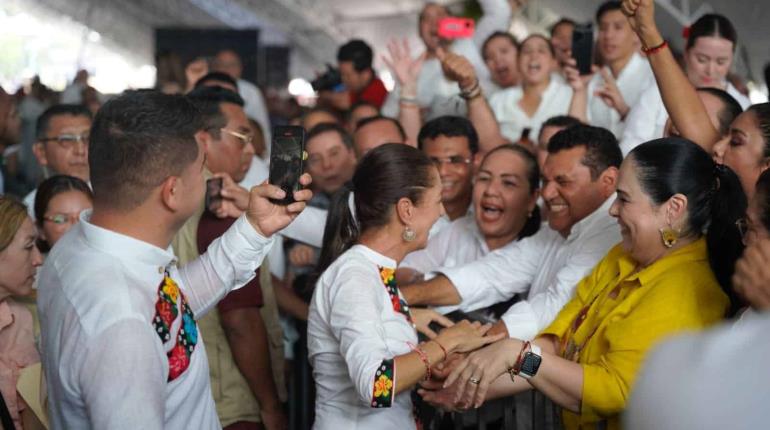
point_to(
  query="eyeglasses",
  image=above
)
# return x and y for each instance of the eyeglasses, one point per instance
(454, 161)
(245, 139)
(61, 219)
(67, 141)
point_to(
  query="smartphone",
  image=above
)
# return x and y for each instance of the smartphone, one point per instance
(456, 28)
(583, 47)
(213, 194)
(287, 157)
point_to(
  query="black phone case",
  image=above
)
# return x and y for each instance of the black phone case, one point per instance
(287, 162)
(583, 47)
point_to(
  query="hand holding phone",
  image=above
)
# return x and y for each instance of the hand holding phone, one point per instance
(287, 156)
(456, 28)
(583, 47)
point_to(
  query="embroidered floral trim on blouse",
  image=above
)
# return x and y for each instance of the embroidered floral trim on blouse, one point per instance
(170, 299)
(388, 278)
(382, 395)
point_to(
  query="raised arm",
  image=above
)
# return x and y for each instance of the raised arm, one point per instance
(684, 107)
(231, 260)
(406, 70)
(457, 68)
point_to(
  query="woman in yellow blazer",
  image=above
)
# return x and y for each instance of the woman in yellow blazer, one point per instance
(677, 211)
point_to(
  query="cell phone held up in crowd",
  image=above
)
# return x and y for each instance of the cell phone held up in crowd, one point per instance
(213, 194)
(287, 156)
(456, 28)
(583, 47)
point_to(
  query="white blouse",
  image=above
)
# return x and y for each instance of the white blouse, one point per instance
(505, 105)
(358, 324)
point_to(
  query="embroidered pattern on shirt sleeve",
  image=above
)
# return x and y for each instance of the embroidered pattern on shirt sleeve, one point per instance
(382, 395)
(170, 299)
(387, 275)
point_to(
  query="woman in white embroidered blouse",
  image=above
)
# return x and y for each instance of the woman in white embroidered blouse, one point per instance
(361, 333)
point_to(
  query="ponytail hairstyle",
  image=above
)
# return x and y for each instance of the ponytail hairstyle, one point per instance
(384, 175)
(715, 198)
(533, 179)
(712, 25)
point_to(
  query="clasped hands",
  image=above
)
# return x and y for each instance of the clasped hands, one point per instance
(463, 379)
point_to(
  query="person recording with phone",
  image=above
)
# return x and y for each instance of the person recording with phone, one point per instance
(111, 290)
(236, 331)
(605, 96)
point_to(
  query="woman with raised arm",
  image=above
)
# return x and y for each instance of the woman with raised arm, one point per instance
(676, 210)
(708, 57)
(748, 153)
(362, 340)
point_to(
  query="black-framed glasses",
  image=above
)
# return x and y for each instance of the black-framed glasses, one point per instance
(454, 161)
(69, 140)
(245, 139)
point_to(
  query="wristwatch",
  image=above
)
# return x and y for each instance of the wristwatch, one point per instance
(530, 363)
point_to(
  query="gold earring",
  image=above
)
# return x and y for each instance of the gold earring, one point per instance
(669, 236)
(408, 235)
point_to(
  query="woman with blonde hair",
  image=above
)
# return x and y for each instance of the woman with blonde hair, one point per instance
(19, 260)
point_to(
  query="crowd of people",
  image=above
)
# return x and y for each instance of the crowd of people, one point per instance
(497, 224)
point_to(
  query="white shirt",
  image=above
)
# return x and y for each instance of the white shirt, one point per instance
(105, 364)
(353, 330)
(458, 243)
(635, 78)
(254, 106)
(546, 266)
(512, 119)
(647, 118)
(714, 380)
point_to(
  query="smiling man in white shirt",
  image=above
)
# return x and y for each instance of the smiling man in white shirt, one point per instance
(579, 177)
(120, 343)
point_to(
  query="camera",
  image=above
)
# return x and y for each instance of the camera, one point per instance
(328, 81)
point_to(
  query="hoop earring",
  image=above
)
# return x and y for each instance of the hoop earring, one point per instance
(669, 236)
(408, 235)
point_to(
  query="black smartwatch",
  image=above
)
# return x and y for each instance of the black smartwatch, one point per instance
(530, 363)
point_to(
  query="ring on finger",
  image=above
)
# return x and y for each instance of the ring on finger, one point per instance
(474, 381)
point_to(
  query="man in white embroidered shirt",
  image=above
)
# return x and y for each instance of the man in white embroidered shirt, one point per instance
(578, 179)
(120, 342)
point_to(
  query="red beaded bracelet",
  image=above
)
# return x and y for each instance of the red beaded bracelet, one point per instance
(655, 49)
(423, 357)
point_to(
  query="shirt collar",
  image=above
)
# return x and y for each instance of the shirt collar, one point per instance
(124, 247)
(585, 224)
(375, 257)
(696, 251)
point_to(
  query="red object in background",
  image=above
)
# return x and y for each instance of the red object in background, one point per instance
(456, 28)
